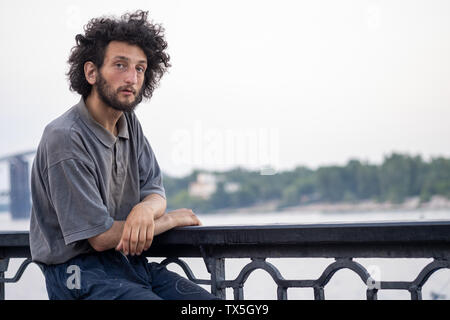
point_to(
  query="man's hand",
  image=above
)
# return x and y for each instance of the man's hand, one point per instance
(138, 231)
(183, 217)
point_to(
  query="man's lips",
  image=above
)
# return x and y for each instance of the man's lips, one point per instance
(127, 92)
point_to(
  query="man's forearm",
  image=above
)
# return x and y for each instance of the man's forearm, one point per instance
(139, 227)
(108, 239)
(164, 223)
(111, 238)
(155, 203)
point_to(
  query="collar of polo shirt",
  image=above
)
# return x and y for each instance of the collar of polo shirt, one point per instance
(100, 132)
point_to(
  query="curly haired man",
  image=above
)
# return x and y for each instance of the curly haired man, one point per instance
(97, 191)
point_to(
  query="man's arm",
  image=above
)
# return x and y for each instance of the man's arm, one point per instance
(146, 220)
(108, 239)
(139, 227)
(176, 218)
(152, 205)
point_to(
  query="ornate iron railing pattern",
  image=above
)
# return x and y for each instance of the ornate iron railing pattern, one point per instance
(343, 242)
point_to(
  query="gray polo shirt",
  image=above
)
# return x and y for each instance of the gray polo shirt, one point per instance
(83, 178)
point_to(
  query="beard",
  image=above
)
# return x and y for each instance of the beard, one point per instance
(111, 98)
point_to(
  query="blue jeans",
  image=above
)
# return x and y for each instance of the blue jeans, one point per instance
(111, 275)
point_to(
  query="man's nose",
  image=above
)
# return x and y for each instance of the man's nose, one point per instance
(131, 76)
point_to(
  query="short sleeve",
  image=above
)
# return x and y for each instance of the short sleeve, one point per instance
(150, 175)
(74, 194)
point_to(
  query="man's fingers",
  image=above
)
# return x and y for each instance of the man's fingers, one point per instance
(126, 239)
(141, 241)
(149, 237)
(119, 246)
(185, 217)
(134, 240)
(195, 220)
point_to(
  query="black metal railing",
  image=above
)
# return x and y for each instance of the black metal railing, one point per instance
(343, 242)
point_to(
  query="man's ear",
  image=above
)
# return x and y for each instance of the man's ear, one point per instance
(90, 72)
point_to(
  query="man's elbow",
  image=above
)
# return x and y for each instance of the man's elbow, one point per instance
(97, 245)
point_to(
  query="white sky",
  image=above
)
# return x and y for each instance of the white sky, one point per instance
(284, 83)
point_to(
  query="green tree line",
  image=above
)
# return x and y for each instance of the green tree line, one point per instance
(398, 177)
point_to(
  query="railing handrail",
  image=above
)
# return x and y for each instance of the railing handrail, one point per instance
(378, 239)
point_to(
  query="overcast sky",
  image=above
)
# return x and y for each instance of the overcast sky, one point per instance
(283, 83)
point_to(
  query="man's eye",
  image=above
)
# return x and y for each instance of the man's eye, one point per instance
(140, 69)
(119, 65)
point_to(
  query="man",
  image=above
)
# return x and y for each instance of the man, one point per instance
(97, 191)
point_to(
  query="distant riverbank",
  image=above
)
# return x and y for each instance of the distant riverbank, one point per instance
(436, 203)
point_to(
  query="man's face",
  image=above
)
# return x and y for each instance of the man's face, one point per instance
(121, 77)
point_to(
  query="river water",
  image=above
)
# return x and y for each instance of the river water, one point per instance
(345, 284)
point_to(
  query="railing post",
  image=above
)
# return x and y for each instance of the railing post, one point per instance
(3, 267)
(238, 292)
(372, 294)
(319, 293)
(282, 293)
(216, 267)
(218, 277)
(416, 293)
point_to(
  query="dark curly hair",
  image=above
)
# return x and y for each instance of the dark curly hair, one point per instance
(132, 28)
